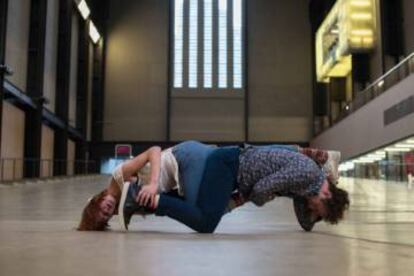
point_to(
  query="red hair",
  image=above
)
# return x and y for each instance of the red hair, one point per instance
(90, 216)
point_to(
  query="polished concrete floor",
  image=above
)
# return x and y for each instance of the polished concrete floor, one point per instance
(38, 237)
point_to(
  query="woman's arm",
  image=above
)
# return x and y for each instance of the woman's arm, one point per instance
(152, 155)
(130, 167)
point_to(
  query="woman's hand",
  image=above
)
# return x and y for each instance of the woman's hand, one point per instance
(147, 195)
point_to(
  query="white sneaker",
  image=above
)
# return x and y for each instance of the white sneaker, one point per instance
(128, 205)
(122, 217)
(331, 166)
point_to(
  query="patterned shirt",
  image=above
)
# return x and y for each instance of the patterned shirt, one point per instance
(266, 172)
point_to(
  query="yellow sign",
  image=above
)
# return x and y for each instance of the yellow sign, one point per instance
(349, 28)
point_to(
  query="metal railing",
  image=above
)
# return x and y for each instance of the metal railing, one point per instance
(395, 75)
(13, 169)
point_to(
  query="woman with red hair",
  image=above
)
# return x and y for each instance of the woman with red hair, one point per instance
(178, 170)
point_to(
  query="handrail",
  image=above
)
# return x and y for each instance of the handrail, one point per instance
(389, 72)
(378, 87)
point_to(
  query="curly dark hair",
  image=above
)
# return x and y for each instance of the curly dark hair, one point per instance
(336, 205)
(90, 221)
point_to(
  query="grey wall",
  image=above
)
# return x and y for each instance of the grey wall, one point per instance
(90, 82)
(376, 55)
(71, 158)
(136, 71)
(12, 141)
(279, 78)
(46, 155)
(73, 69)
(208, 118)
(408, 8)
(17, 41)
(13, 118)
(51, 44)
(364, 130)
(279, 70)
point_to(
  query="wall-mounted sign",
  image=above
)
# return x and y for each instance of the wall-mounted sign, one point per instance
(349, 28)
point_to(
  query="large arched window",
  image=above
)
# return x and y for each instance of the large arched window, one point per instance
(208, 45)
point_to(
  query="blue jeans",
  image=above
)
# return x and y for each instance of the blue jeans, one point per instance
(279, 146)
(191, 158)
(218, 181)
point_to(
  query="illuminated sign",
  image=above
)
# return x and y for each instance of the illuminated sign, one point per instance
(349, 28)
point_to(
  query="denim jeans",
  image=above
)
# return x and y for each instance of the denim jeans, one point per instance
(212, 194)
(191, 158)
(278, 146)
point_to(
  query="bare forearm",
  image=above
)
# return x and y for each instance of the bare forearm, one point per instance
(155, 161)
(152, 155)
(147, 194)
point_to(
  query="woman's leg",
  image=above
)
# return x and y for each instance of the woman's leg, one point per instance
(218, 182)
(191, 158)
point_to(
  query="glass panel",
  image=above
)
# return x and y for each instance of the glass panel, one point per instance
(193, 44)
(178, 43)
(222, 58)
(237, 44)
(208, 43)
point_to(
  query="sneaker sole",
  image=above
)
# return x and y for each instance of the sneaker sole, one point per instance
(121, 217)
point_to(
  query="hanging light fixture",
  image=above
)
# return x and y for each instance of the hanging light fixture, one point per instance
(93, 33)
(83, 9)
